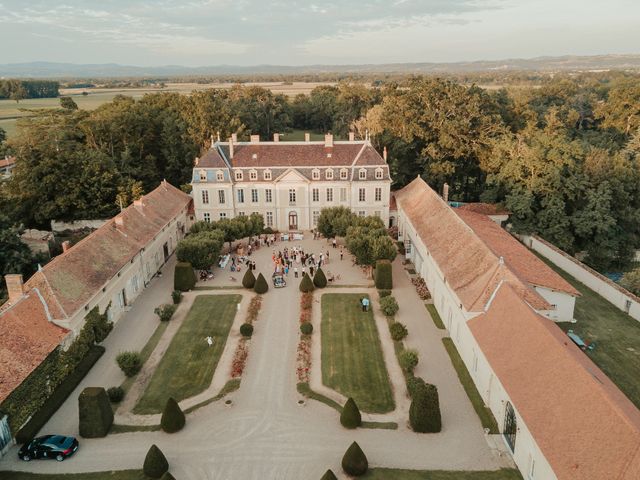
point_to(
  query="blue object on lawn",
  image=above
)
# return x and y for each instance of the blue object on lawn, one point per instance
(576, 339)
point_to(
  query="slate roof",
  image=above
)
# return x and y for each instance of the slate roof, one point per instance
(71, 279)
(584, 425)
(27, 337)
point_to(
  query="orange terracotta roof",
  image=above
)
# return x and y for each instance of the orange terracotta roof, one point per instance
(301, 154)
(70, 280)
(484, 208)
(585, 427)
(516, 256)
(27, 337)
(470, 267)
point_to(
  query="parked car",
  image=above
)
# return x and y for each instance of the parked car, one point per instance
(49, 446)
(278, 281)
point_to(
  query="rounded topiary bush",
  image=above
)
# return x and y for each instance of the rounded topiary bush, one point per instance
(129, 362)
(95, 413)
(184, 278)
(306, 285)
(261, 285)
(248, 281)
(389, 306)
(115, 394)
(424, 412)
(306, 328)
(383, 275)
(155, 463)
(408, 360)
(354, 461)
(384, 293)
(165, 312)
(414, 384)
(329, 475)
(320, 279)
(398, 331)
(246, 329)
(350, 416)
(172, 419)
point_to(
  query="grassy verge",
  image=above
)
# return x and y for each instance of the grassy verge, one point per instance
(114, 475)
(229, 387)
(220, 287)
(352, 360)
(189, 363)
(115, 428)
(435, 316)
(397, 474)
(367, 285)
(485, 415)
(305, 389)
(617, 336)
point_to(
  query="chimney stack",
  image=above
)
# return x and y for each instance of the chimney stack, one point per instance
(234, 137)
(15, 286)
(255, 138)
(445, 192)
(352, 136)
(66, 245)
(138, 203)
(384, 154)
(276, 137)
(328, 140)
(119, 221)
(231, 142)
(307, 136)
(196, 161)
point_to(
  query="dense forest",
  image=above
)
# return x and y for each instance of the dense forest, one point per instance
(20, 89)
(562, 156)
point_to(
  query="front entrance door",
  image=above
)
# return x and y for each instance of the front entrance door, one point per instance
(293, 221)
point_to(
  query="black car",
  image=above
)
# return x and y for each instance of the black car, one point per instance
(49, 446)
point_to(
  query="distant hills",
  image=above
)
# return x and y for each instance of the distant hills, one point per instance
(109, 70)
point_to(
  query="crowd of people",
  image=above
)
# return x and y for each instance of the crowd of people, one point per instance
(296, 260)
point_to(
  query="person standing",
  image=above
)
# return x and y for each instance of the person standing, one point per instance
(311, 271)
(335, 243)
(295, 272)
(341, 253)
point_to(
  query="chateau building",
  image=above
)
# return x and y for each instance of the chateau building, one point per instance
(290, 182)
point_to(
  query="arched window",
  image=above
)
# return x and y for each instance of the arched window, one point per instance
(315, 174)
(253, 175)
(379, 173)
(344, 173)
(267, 174)
(219, 176)
(510, 426)
(362, 174)
(239, 175)
(203, 174)
(328, 174)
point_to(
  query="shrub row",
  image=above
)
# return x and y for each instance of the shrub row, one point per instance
(383, 275)
(59, 395)
(424, 412)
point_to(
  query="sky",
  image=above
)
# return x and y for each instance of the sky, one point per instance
(288, 32)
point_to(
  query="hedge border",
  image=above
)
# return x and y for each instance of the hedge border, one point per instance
(59, 395)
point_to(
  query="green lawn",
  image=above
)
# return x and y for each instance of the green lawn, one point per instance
(394, 474)
(616, 334)
(352, 361)
(485, 415)
(435, 316)
(115, 475)
(188, 364)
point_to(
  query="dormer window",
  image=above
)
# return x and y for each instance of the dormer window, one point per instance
(253, 175)
(267, 174)
(344, 174)
(362, 174)
(315, 174)
(239, 176)
(219, 176)
(379, 173)
(328, 174)
(203, 175)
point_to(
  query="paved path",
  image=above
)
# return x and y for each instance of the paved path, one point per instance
(265, 434)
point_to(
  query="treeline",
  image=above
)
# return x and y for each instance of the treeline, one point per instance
(20, 89)
(562, 157)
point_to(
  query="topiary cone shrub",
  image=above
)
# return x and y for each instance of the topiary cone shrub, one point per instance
(155, 463)
(424, 412)
(167, 476)
(306, 285)
(350, 416)
(95, 413)
(184, 278)
(248, 281)
(261, 285)
(329, 475)
(306, 328)
(246, 329)
(172, 417)
(383, 275)
(355, 461)
(319, 279)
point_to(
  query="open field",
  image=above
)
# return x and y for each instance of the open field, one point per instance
(187, 366)
(394, 474)
(352, 361)
(616, 334)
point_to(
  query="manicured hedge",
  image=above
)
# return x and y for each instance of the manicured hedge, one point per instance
(173, 418)
(155, 463)
(95, 413)
(261, 285)
(329, 475)
(383, 275)
(306, 328)
(246, 329)
(59, 395)
(320, 279)
(350, 416)
(249, 280)
(355, 462)
(424, 412)
(184, 278)
(306, 285)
